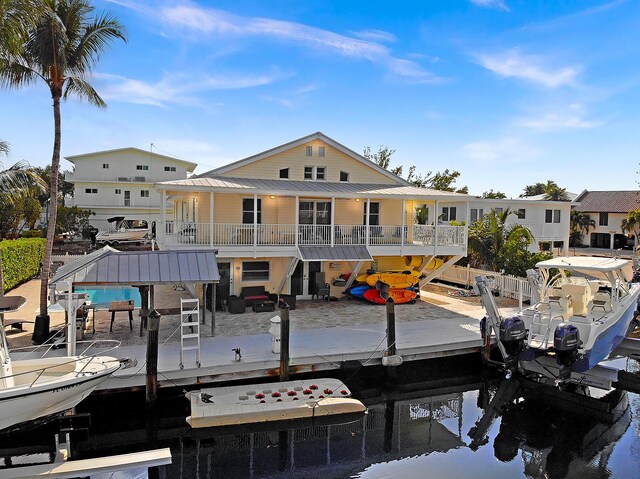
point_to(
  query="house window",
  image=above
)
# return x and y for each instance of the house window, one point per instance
(315, 173)
(255, 271)
(142, 167)
(448, 213)
(321, 151)
(475, 214)
(247, 211)
(144, 193)
(169, 168)
(284, 173)
(604, 219)
(91, 191)
(308, 172)
(552, 216)
(374, 217)
(498, 210)
(309, 150)
(118, 191)
(105, 166)
(320, 173)
(521, 214)
(344, 177)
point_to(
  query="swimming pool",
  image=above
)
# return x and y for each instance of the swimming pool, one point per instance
(106, 295)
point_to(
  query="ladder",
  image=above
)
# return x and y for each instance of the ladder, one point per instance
(189, 328)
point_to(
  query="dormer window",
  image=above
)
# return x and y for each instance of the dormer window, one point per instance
(344, 177)
(309, 150)
(284, 174)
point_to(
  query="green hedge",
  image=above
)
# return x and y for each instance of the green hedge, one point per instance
(21, 259)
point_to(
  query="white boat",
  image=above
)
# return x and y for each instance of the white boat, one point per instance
(124, 230)
(280, 401)
(39, 387)
(582, 308)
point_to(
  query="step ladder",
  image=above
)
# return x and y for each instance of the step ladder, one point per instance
(540, 330)
(189, 328)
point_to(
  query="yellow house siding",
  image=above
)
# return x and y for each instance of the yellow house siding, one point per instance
(295, 159)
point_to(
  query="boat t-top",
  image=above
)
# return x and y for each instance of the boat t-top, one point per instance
(581, 309)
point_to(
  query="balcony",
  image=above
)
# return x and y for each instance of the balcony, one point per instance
(264, 235)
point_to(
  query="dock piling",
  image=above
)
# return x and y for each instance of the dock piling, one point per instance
(152, 358)
(284, 342)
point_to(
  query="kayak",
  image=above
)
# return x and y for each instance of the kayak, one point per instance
(363, 277)
(399, 296)
(395, 280)
(358, 291)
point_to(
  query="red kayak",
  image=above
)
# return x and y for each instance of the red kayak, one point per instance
(399, 296)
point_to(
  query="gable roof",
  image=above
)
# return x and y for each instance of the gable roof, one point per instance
(291, 188)
(301, 141)
(190, 165)
(608, 201)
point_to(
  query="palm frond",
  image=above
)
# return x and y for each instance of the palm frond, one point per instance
(83, 90)
(15, 72)
(18, 179)
(96, 39)
(4, 147)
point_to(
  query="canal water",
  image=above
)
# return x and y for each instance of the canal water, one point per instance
(466, 427)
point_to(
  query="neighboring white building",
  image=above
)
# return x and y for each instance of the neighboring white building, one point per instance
(607, 209)
(120, 183)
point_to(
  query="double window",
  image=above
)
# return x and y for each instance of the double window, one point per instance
(118, 191)
(604, 219)
(169, 168)
(475, 214)
(105, 166)
(91, 191)
(552, 216)
(315, 173)
(247, 211)
(255, 271)
(142, 167)
(448, 213)
(144, 193)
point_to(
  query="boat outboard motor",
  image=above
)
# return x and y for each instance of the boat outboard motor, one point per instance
(512, 336)
(566, 341)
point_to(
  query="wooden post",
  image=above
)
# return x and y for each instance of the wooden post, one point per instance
(284, 342)
(144, 307)
(152, 354)
(213, 308)
(391, 328)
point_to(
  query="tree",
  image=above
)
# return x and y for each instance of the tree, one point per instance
(4, 147)
(498, 246)
(72, 219)
(16, 17)
(61, 49)
(64, 187)
(533, 190)
(550, 190)
(631, 224)
(491, 195)
(579, 224)
(439, 181)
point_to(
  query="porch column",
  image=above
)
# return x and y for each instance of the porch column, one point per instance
(297, 219)
(163, 216)
(404, 209)
(333, 220)
(255, 224)
(435, 231)
(466, 228)
(367, 221)
(211, 204)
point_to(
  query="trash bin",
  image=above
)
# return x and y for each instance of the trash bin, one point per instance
(274, 330)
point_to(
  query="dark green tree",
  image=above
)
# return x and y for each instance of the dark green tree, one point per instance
(495, 195)
(579, 224)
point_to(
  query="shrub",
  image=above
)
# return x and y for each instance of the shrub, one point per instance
(21, 260)
(34, 234)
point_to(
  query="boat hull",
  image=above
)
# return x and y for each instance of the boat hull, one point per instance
(46, 396)
(117, 236)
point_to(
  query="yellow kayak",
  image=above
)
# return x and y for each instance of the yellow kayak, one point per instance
(363, 277)
(395, 280)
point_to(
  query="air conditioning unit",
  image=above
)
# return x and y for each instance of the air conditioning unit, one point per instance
(140, 179)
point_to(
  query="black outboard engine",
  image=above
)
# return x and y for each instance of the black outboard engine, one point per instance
(512, 336)
(566, 341)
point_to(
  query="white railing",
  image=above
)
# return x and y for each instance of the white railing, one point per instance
(233, 234)
(508, 286)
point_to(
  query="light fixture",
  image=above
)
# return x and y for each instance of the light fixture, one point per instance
(272, 196)
(357, 199)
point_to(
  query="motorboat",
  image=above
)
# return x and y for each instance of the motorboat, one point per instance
(34, 386)
(124, 230)
(268, 402)
(581, 309)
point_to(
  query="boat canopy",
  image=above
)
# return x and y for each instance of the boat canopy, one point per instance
(584, 263)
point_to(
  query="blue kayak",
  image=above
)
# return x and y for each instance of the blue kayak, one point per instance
(358, 291)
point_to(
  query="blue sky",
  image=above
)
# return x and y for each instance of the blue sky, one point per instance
(508, 92)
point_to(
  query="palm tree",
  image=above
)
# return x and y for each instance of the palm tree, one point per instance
(61, 49)
(580, 225)
(631, 224)
(16, 17)
(554, 193)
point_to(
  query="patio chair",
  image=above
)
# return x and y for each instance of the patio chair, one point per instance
(323, 290)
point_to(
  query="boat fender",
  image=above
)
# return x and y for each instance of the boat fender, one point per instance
(395, 360)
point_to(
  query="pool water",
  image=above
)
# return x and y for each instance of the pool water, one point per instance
(106, 295)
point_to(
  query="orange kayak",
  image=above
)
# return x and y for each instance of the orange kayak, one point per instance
(399, 296)
(395, 280)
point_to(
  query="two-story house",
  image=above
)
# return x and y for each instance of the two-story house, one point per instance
(120, 183)
(607, 209)
(313, 205)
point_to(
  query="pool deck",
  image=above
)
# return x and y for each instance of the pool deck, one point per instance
(323, 336)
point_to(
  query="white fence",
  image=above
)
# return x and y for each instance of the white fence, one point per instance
(508, 286)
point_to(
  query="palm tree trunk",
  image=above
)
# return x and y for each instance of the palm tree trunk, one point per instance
(53, 208)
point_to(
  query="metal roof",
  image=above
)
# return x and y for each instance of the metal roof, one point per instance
(111, 267)
(287, 187)
(334, 253)
(608, 201)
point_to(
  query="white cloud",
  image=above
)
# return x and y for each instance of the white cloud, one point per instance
(174, 88)
(573, 117)
(193, 21)
(502, 151)
(375, 36)
(514, 64)
(495, 4)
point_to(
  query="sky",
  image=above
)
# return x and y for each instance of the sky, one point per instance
(507, 92)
